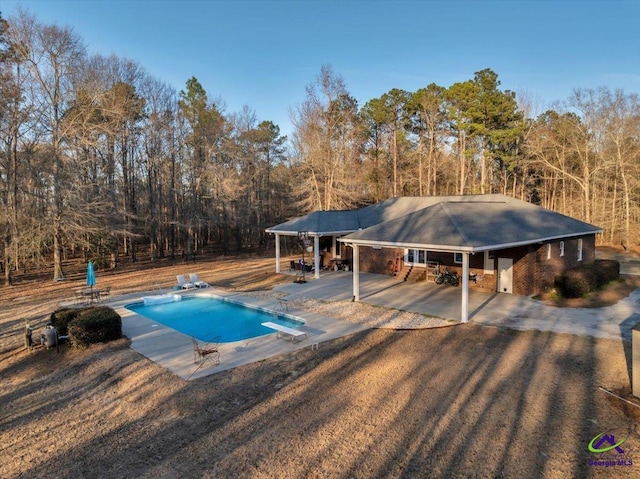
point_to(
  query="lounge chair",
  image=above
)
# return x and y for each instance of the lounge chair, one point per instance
(193, 277)
(182, 282)
(206, 351)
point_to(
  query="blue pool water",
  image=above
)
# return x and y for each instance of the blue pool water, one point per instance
(206, 317)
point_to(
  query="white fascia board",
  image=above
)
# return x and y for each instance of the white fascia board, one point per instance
(539, 240)
(389, 244)
(310, 233)
(458, 248)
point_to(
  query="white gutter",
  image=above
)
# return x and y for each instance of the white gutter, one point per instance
(311, 233)
(460, 248)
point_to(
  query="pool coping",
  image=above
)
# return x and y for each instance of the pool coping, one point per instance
(174, 350)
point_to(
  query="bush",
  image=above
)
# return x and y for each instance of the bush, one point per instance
(606, 270)
(95, 325)
(576, 282)
(61, 318)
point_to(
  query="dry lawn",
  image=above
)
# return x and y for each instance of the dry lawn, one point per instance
(457, 402)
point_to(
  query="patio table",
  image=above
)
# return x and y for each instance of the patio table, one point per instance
(93, 295)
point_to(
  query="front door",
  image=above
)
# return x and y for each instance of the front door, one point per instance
(416, 257)
(505, 275)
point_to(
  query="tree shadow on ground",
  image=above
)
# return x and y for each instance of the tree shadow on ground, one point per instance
(468, 401)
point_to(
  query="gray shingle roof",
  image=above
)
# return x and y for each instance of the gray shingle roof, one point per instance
(460, 223)
(473, 226)
(346, 221)
(320, 222)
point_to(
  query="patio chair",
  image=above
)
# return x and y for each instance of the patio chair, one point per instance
(105, 294)
(80, 297)
(206, 351)
(183, 283)
(193, 277)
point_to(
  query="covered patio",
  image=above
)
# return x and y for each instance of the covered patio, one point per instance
(423, 297)
(486, 308)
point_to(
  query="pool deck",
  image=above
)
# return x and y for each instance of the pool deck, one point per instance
(174, 350)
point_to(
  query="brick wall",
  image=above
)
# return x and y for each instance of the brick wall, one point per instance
(535, 267)
(379, 261)
(550, 262)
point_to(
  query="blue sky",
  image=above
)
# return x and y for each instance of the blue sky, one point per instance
(263, 53)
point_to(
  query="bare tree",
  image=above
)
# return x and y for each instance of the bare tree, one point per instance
(53, 56)
(326, 146)
(622, 144)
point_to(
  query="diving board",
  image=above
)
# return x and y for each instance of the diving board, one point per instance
(294, 333)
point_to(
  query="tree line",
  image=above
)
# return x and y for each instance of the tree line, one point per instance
(101, 159)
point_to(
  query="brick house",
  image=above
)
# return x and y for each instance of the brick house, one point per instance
(494, 242)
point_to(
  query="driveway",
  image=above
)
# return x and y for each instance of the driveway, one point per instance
(496, 309)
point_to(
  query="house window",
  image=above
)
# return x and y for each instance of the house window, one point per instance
(457, 258)
(561, 248)
(548, 250)
(580, 249)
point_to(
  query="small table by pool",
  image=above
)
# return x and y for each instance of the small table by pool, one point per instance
(91, 295)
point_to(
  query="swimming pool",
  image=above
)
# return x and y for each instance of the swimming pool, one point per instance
(205, 317)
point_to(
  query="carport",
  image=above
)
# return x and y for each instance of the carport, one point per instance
(466, 228)
(465, 269)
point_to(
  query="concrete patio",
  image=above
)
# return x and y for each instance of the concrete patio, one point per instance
(496, 309)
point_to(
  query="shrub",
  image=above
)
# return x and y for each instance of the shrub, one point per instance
(576, 282)
(606, 270)
(61, 318)
(95, 325)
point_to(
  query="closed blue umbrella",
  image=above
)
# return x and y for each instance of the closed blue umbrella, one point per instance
(91, 275)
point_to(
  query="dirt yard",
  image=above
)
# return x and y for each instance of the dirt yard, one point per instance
(457, 402)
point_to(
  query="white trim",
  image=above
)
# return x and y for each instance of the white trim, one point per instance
(548, 250)
(561, 248)
(336, 243)
(416, 263)
(277, 253)
(464, 315)
(489, 262)
(316, 257)
(311, 233)
(460, 248)
(356, 273)
(579, 249)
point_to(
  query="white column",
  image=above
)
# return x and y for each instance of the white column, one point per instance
(465, 288)
(316, 256)
(277, 253)
(356, 272)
